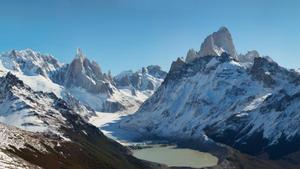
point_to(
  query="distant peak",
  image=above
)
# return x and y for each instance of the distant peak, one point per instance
(13, 52)
(190, 56)
(217, 43)
(79, 54)
(28, 50)
(177, 65)
(223, 29)
(154, 67)
(144, 70)
(253, 53)
(248, 57)
(79, 51)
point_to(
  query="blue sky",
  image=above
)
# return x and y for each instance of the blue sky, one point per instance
(129, 34)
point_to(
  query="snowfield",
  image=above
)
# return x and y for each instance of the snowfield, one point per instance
(108, 123)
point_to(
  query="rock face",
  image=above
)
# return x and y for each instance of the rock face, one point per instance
(146, 80)
(249, 104)
(85, 74)
(191, 55)
(217, 43)
(85, 81)
(214, 45)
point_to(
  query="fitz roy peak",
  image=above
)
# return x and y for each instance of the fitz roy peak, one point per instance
(214, 45)
(246, 101)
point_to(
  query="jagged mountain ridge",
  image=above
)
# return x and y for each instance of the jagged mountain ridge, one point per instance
(146, 80)
(81, 82)
(85, 74)
(84, 79)
(246, 101)
(30, 62)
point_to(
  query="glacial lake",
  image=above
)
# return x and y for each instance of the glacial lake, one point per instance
(173, 156)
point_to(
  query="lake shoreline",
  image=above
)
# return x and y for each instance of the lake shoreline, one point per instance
(173, 156)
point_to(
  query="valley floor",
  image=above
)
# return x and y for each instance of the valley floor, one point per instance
(108, 124)
(159, 153)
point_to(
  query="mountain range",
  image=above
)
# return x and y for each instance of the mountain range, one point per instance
(45, 106)
(245, 101)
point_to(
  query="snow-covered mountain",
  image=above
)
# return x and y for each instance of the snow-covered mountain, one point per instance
(246, 101)
(50, 134)
(24, 64)
(144, 81)
(81, 82)
(26, 109)
(84, 80)
(29, 62)
(83, 73)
